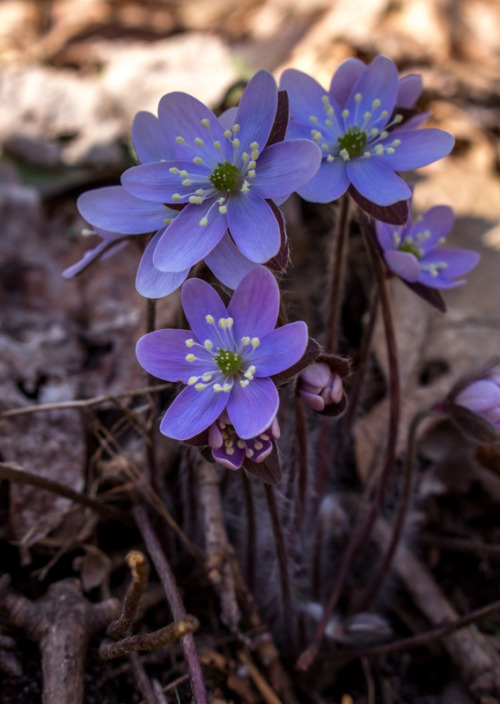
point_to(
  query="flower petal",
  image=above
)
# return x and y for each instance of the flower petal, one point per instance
(199, 299)
(376, 181)
(112, 208)
(305, 97)
(385, 234)
(285, 167)
(252, 409)
(481, 395)
(185, 242)
(330, 183)
(344, 78)
(418, 148)
(458, 261)
(280, 349)
(256, 111)
(109, 246)
(233, 461)
(180, 116)
(409, 90)
(228, 118)
(152, 283)
(192, 412)
(253, 226)
(255, 304)
(156, 182)
(149, 140)
(227, 263)
(378, 82)
(403, 264)
(437, 222)
(162, 353)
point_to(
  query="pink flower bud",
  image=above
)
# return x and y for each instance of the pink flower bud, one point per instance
(319, 386)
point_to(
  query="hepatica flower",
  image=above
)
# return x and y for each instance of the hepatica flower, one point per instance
(227, 358)
(412, 251)
(223, 173)
(362, 140)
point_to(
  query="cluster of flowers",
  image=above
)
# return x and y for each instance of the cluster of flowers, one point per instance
(209, 188)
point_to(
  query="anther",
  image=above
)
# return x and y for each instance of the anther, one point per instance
(357, 97)
(205, 122)
(390, 150)
(345, 113)
(210, 319)
(176, 197)
(204, 222)
(223, 209)
(330, 158)
(186, 182)
(189, 342)
(192, 380)
(180, 140)
(198, 141)
(254, 145)
(190, 357)
(236, 143)
(235, 128)
(313, 119)
(244, 382)
(174, 170)
(200, 386)
(396, 142)
(208, 345)
(228, 134)
(183, 173)
(245, 157)
(255, 342)
(217, 145)
(197, 160)
(376, 103)
(344, 154)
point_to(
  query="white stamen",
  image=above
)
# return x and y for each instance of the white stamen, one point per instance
(190, 357)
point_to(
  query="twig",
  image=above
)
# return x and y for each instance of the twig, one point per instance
(218, 550)
(175, 602)
(267, 693)
(140, 573)
(82, 403)
(14, 473)
(150, 641)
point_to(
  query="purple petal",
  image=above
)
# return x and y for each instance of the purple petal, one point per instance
(155, 182)
(192, 412)
(227, 263)
(409, 90)
(253, 226)
(185, 241)
(481, 395)
(330, 183)
(378, 82)
(438, 221)
(385, 234)
(255, 304)
(199, 299)
(344, 78)
(285, 167)
(458, 261)
(280, 349)
(180, 116)
(403, 264)
(233, 461)
(112, 208)
(152, 283)
(162, 353)
(376, 181)
(305, 97)
(228, 118)
(252, 408)
(418, 148)
(256, 111)
(149, 140)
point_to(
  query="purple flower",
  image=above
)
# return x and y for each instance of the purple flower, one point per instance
(356, 128)
(228, 358)
(224, 174)
(473, 405)
(229, 450)
(411, 251)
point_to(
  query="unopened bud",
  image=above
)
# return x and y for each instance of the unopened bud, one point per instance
(319, 386)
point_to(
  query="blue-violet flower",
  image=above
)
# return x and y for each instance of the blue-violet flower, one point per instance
(228, 358)
(361, 138)
(411, 251)
(223, 173)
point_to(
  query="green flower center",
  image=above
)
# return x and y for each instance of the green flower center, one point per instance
(228, 362)
(411, 248)
(353, 141)
(225, 177)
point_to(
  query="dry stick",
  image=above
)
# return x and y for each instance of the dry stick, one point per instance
(218, 551)
(362, 532)
(82, 403)
(140, 573)
(281, 554)
(14, 473)
(400, 514)
(476, 662)
(459, 544)
(251, 530)
(150, 641)
(142, 679)
(175, 602)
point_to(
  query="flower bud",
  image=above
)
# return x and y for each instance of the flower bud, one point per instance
(474, 406)
(319, 386)
(230, 450)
